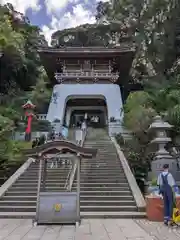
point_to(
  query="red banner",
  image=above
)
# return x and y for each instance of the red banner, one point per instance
(28, 129)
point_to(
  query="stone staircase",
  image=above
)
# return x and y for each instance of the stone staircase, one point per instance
(20, 199)
(104, 188)
(105, 191)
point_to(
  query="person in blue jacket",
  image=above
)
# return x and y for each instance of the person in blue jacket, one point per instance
(166, 185)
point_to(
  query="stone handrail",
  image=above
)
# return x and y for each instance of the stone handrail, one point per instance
(5, 187)
(71, 175)
(139, 199)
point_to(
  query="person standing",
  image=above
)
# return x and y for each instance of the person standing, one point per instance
(166, 185)
(78, 135)
(83, 126)
(64, 132)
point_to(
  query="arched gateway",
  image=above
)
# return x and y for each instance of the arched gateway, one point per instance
(87, 73)
(63, 93)
(58, 206)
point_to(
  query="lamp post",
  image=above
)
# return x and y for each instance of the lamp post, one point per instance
(29, 113)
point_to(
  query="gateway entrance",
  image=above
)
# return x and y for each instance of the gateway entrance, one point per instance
(94, 111)
(95, 118)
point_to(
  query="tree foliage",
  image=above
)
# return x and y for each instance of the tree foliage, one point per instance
(153, 26)
(22, 76)
(92, 35)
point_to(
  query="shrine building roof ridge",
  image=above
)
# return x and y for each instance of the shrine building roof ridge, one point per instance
(60, 145)
(98, 49)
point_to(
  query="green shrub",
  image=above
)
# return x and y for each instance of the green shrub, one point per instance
(154, 182)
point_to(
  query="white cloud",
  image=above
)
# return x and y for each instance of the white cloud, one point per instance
(55, 5)
(23, 5)
(78, 16)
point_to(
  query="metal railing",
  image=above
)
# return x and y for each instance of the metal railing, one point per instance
(72, 171)
(92, 74)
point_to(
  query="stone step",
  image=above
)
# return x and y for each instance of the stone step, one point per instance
(101, 198)
(49, 170)
(95, 169)
(105, 157)
(115, 215)
(107, 193)
(106, 203)
(34, 184)
(101, 208)
(93, 166)
(105, 180)
(35, 180)
(48, 173)
(89, 215)
(17, 215)
(22, 202)
(103, 171)
(102, 177)
(17, 202)
(61, 188)
(108, 184)
(84, 184)
(16, 208)
(103, 188)
(102, 174)
(89, 176)
(104, 148)
(94, 193)
(30, 188)
(52, 177)
(101, 164)
(107, 208)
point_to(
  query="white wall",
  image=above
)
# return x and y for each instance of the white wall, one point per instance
(63, 92)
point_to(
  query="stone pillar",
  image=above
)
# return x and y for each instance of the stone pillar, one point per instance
(162, 156)
(68, 116)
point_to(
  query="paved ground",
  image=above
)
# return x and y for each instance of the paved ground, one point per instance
(105, 229)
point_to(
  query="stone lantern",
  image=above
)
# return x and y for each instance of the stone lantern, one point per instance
(162, 156)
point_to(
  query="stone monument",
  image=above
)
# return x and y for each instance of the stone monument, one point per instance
(162, 156)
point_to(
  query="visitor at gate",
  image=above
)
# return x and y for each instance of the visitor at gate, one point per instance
(83, 126)
(78, 136)
(35, 143)
(85, 116)
(64, 132)
(166, 185)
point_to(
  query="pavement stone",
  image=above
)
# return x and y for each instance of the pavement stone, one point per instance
(90, 229)
(159, 231)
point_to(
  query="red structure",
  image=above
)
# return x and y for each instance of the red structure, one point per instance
(29, 113)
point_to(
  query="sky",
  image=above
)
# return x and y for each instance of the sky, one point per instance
(53, 15)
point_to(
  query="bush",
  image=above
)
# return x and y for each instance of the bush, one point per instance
(154, 182)
(138, 112)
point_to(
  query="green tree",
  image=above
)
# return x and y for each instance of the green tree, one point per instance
(22, 77)
(153, 25)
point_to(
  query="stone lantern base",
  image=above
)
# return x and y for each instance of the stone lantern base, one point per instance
(158, 163)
